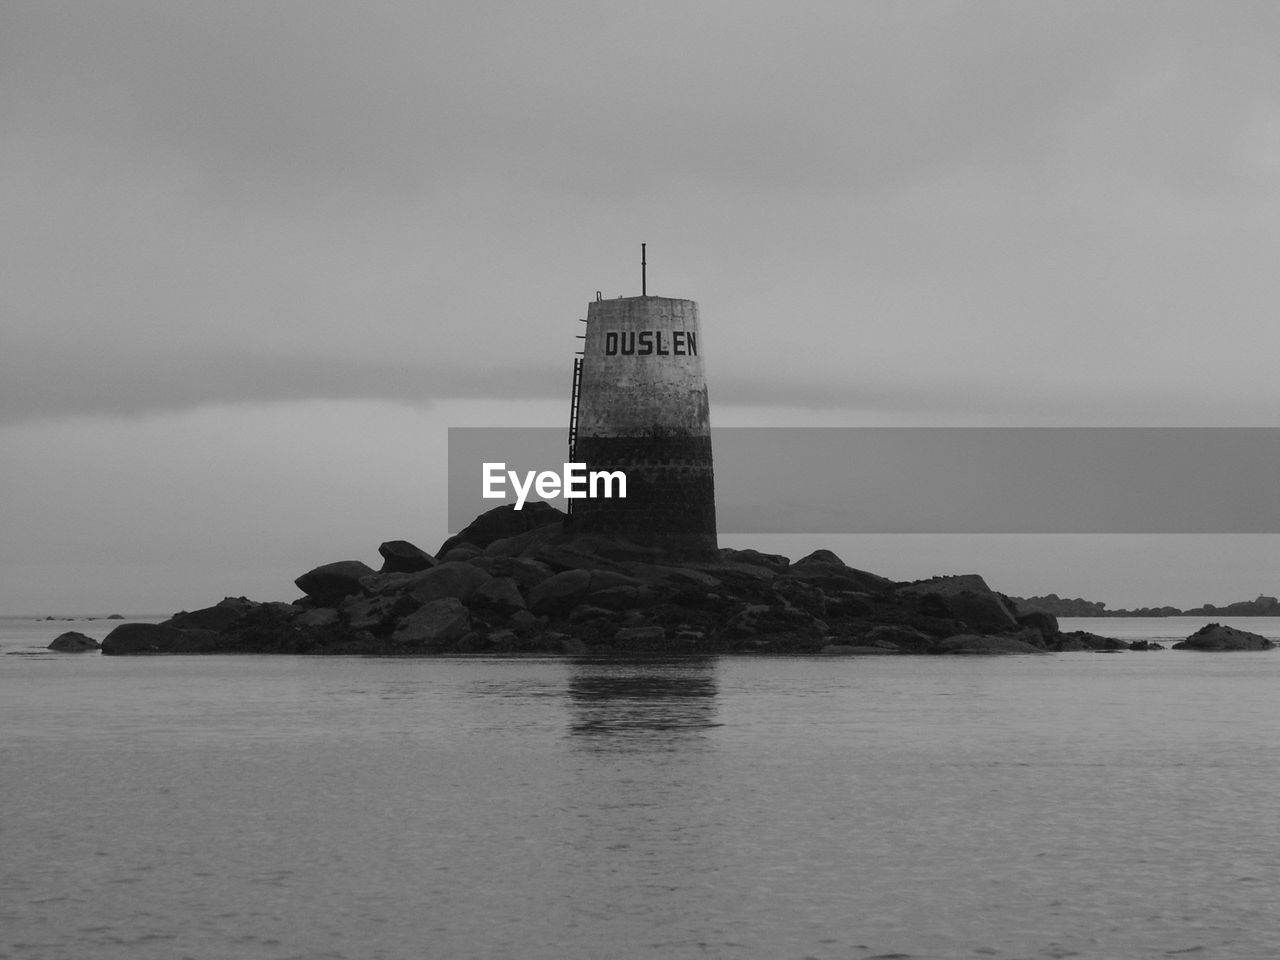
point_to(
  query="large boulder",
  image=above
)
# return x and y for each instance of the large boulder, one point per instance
(377, 614)
(1214, 637)
(966, 597)
(558, 594)
(827, 571)
(440, 621)
(328, 584)
(449, 579)
(142, 638)
(217, 618)
(501, 523)
(526, 572)
(73, 642)
(1046, 623)
(500, 593)
(401, 556)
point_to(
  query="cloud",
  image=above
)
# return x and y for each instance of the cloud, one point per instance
(607, 99)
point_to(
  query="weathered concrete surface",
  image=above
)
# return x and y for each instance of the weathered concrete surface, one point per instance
(643, 410)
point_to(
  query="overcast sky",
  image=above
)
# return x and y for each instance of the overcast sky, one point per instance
(257, 257)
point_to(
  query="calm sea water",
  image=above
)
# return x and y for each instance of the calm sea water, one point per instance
(1092, 805)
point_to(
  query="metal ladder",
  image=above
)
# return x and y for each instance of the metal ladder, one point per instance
(572, 423)
(573, 407)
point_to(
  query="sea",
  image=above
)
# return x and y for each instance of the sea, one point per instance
(1094, 805)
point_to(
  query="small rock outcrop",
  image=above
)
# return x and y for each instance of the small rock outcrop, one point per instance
(73, 642)
(1216, 638)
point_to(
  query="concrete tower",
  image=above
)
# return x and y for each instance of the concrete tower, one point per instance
(640, 406)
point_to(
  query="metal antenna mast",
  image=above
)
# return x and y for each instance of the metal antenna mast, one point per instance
(643, 281)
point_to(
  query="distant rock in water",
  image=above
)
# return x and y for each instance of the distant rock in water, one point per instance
(1214, 637)
(115, 616)
(72, 642)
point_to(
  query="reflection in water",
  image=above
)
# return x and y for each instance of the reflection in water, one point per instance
(644, 701)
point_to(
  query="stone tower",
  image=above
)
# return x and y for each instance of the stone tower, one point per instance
(640, 406)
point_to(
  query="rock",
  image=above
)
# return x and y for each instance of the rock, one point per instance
(659, 574)
(640, 635)
(115, 616)
(1083, 640)
(801, 593)
(504, 639)
(439, 621)
(571, 556)
(573, 646)
(375, 614)
(826, 570)
(503, 522)
(770, 561)
(608, 579)
(585, 613)
(1069, 644)
(857, 650)
(975, 644)
(501, 593)
(1214, 637)
(558, 594)
(217, 618)
(621, 598)
(401, 556)
(317, 617)
(966, 598)
(525, 572)
(73, 642)
(900, 636)
(328, 584)
(1046, 623)
(525, 544)
(759, 619)
(448, 579)
(1145, 645)
(143, 638)
(461, 553)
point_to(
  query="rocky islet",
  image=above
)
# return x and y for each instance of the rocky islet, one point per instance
(516, 582)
